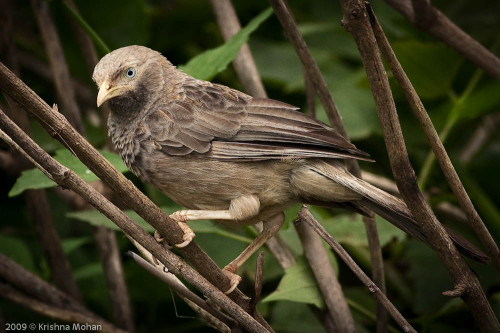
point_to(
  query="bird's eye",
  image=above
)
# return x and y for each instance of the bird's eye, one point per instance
(130, 73)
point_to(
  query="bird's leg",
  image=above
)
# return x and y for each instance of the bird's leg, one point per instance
(270, 228)
(241, 208)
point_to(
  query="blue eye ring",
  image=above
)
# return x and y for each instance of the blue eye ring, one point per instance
(130, 73)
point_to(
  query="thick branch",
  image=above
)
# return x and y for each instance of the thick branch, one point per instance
(440, 26)
(63, 314)
(326, 278)
(356, 21)
(33, 285)
(437, 146)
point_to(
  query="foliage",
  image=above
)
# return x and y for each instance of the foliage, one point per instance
(457, 96)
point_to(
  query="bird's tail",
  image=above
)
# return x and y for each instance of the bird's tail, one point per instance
(389, 207)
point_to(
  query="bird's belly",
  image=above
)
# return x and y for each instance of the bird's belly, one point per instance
(203, 183)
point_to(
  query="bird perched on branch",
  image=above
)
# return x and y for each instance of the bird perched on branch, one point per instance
(230, 157)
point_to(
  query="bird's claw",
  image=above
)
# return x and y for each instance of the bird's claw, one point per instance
(188, 235)
(235, 279)
(159, 238)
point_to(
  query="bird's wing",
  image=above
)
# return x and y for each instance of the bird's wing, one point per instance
(230, 125)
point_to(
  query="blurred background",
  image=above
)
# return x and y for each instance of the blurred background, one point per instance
(463, 102)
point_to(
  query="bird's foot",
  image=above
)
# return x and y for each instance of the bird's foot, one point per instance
(159, 238)
(230, 272)
(181, 218)
(187, 237)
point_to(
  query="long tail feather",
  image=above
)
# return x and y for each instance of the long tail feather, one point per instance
(391, 208)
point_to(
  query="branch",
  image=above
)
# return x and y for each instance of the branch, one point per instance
(440, 26)
(33, 285)
(57, 63)
(326, 278)
(160, 272)
(67, 178)
(442, 157)
(356, 21)
(305, 216)
(63, 314)
(377, 268)
(107, 247)
(244, 65)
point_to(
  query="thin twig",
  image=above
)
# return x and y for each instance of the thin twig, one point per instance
(449, 33)
(279, 249)
(356, 21)
(63, 314)
(305, 216)
(107, 247)
(173, 282)
(34, 65)
(67, 178)
(326, 278)
(442, 157)
(244, 64)
(58, 63)
(259, 272)
(481, 135)
(377, 268)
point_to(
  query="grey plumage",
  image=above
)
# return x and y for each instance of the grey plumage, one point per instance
(210, 147)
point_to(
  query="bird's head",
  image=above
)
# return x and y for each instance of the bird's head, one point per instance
(129, 77)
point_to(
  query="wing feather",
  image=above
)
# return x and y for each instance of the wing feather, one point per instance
(229, 125)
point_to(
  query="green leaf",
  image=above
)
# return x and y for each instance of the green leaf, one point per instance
(88, 271)
(16, 249)
(293, 318)
(350, 228)
(71, 244)
(483, 99)
(34, 179)
(206, 65)
(97, 219)
(297, 285)
(431, 67)
(278, 62)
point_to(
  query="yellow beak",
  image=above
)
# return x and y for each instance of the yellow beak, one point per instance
(106, 92)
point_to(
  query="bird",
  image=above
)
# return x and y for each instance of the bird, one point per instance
(231, 157)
